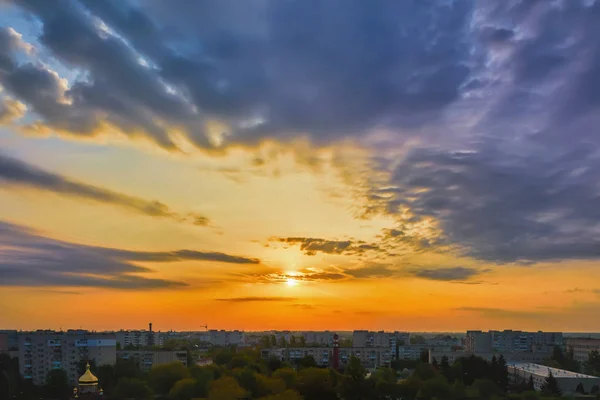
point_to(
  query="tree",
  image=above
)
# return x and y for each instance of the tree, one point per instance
(417, 339)
(424, 357)
(287, 395)
(273, 341)
(579, 388)
(434, 363)
(183, 389)
(501, 374)
(128, 368)
(274, 363)
(133, 388)
(592, 365)
(530, 384)
(106, 379)
(316, 384)
(551, 386)
(57, 384)
(307, 362)
(486, 388)
(595, 389)
(266, 386)
(387, 375)
(302, 341)
(292, 341)
(437, 387)
(202, 377)
(226, 388)
(282, 342)
(353, 385)
(287, 375)
(163, 377)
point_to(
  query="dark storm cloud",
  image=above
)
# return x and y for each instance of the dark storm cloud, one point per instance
(18, 173)
(384, 63)
(504, 209)
(446, 274)
(30, 259)
(312, 246)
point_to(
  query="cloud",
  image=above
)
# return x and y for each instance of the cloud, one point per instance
(312, 246)
(32, 260)
(503, 313)
(265, 74)
(11, 110)
(255, 299)
(446, 274)
(372, 270)
(18, 173)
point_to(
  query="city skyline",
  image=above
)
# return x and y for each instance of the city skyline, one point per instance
(212, 163)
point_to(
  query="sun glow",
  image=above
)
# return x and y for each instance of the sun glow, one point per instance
(291, 282)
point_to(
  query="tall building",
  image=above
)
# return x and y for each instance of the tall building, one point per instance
(226, 338)
(390, 340)
(511, 341)
(146, 359)
(318, 338)
(582, 348)
(370, 357)
(139, 338)
(42, 351)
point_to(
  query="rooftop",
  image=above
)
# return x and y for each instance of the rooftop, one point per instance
(543, 370)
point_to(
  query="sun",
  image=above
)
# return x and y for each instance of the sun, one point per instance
(291, 282)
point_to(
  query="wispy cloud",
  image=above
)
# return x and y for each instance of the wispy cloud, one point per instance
(447, 274)
(30, 259)
(17, 173)
(256, 299)
(312, 246)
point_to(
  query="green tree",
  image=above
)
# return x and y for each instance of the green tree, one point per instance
(579, 388)
(551, 386)
(183, 389)
(202, 376)
(592, 365)
(424, 356)
(238, 361)
(226, 388)
(302, 341)
(163, 377)
(106, 379)
(487, 388)
(133, 388)
(269, 386)
(387, 375)
(287, 395)
(282, 342)
(128, 368)
(274, 363)
(273, 340)
(292, 341)
(501, 374)
(530, 384)
(57, 384)
(417, 339)
(9, 376)
(288, 376)
(316, 384)
(265, 342)
(307, 362)
(437, 387)
(353, 385)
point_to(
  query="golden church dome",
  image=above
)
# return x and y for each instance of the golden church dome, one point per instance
(88, 378)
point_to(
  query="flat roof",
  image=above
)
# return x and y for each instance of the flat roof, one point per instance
(543, 370)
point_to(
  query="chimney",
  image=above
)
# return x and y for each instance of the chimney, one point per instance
(150, 326)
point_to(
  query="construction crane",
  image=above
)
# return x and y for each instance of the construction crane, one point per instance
(205, 327)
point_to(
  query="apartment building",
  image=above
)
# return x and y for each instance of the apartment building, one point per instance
(318, 338)
(138, 338)
(363, 338)
(567, 380)
(146, 359)
(42, 351)
(370, 357)
(511, 341)
(582, 348)
(226, 338)
(10, 338)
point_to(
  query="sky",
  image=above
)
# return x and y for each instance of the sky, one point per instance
(300, 164)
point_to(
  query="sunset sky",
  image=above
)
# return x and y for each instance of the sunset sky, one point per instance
(300, 164)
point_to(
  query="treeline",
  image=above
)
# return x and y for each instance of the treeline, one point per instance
(243, 375)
